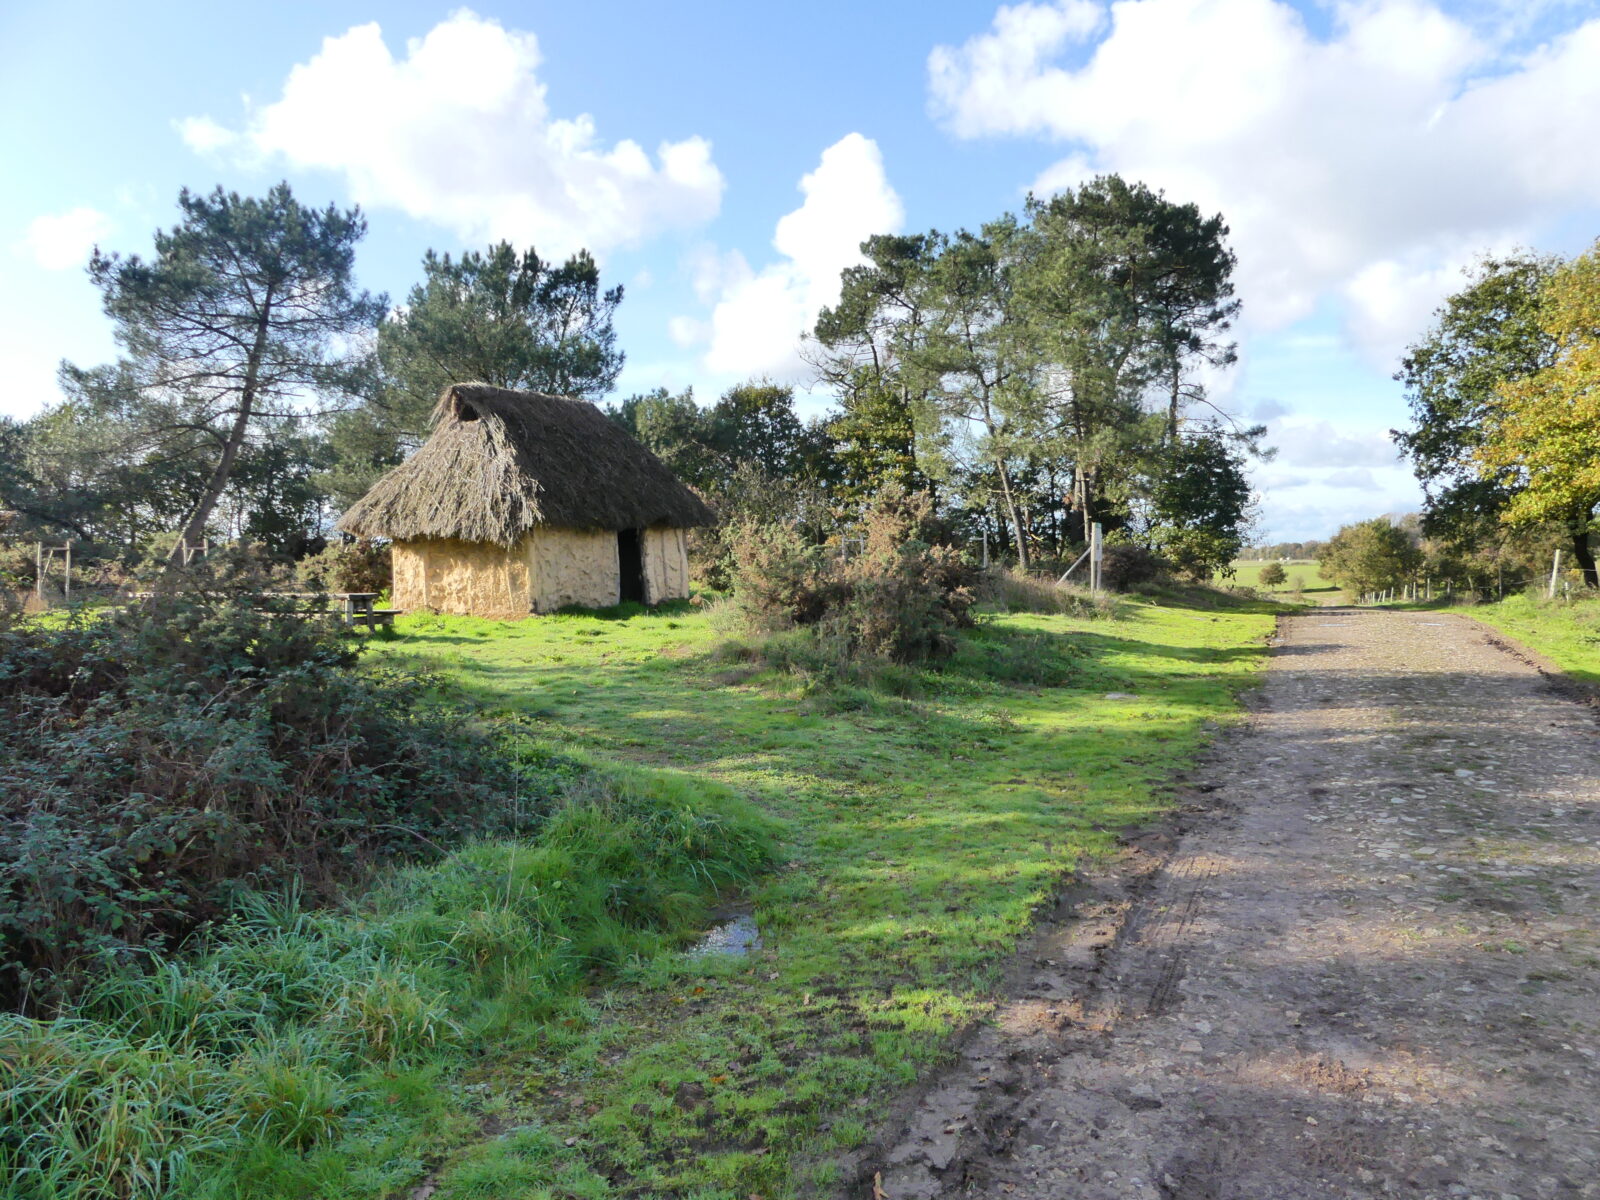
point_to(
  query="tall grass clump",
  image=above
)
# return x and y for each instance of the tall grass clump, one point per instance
(293, 1041)
(1011, 589)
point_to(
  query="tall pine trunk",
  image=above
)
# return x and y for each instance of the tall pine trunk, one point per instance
(1172, 405)
(194, 530)
(1011, 511)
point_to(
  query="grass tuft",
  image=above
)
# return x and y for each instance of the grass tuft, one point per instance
(282, 1046)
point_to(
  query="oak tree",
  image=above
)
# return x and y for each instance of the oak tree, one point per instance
(1544, 426)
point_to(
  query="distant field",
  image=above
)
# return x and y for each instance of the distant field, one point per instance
(1303, 571)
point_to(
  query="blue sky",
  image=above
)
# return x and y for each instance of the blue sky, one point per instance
(723, 160)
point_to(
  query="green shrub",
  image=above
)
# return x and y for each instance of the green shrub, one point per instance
(163, 758)
(1125, 566)
(359, 566)
(898, 596)
(780, 580)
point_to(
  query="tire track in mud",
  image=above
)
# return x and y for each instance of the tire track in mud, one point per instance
(1359, 963)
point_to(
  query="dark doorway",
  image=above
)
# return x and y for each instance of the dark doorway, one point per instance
(630, 558)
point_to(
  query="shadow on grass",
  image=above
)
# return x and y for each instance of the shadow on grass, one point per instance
(1212, 599)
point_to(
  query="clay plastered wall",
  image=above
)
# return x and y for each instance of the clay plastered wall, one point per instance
(573, 566)
(666, 565)
(461, 577)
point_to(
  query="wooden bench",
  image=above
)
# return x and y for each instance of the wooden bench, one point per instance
(372, 618)
(359, 610)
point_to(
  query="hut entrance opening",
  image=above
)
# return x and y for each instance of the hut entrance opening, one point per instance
(630, 560)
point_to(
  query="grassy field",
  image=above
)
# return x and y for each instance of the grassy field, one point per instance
(921, 827)
(522, 1020)
(1567, 633)
(1301, 572)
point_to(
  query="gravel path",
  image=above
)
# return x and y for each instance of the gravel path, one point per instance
(1368, 967)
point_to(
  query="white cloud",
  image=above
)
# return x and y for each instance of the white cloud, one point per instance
(713, 271)
(687, 331)
(759, 317)
(1322, 444)
(1368, 164)
(1000, 80)
(62, 241)
(1358, 477)
(458, 131)
(1278, 482)
(204, 135)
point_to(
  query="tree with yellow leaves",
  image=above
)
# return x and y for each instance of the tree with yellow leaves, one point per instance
(1546, 426)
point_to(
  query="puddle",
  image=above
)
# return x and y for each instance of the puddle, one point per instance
(733, 938)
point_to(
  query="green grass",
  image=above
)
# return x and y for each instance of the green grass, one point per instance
(517, 1021)
(1305, 572)
(922, 830)
(319, 1053)
(1566, 632)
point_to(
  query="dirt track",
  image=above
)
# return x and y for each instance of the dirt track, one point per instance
(1366, 963)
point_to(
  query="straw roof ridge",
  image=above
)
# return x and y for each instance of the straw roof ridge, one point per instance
(500, 462)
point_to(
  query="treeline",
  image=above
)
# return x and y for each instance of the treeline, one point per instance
(260, 391)
(1504, 392)
(1278, 550)
(1033, 377)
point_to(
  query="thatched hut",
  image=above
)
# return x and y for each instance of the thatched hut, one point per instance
(522, 502)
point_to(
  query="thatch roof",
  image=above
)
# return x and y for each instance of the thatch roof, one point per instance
(500, 462)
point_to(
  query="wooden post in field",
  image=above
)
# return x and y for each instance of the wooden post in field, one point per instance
(1095, 550)
(1555, 574)
(66, 586)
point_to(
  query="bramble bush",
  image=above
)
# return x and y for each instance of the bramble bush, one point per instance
(163, 758)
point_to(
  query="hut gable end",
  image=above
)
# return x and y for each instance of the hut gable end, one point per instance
(501, 462)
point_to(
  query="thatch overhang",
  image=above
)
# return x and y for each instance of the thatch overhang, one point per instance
(500, 462)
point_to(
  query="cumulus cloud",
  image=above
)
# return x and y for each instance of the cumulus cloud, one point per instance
(1358, 477)
(1316, 503)
(1275, 482)
(1368, 163)
(1321, 444)
(204, 135)
(687, 331)
(759, 316)
(458, 131)
(62, 241)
